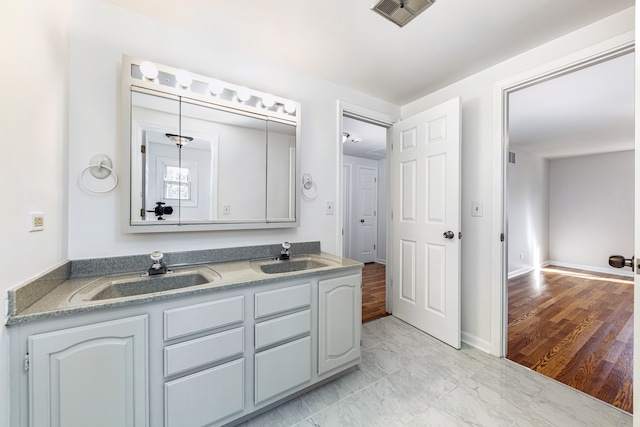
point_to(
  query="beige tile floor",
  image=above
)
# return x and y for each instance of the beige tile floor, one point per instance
(407, 378)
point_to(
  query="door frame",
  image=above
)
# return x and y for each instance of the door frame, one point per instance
(381, 119)
(600, 52)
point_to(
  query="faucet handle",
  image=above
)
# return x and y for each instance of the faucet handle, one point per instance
(156, 256)
(286, 245)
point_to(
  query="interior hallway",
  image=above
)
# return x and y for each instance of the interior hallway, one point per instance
(407, 378)
(576, 327)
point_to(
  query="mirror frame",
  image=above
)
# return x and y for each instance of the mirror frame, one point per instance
(130, 79)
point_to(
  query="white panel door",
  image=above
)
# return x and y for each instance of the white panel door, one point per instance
(367, 220)
(426, 221)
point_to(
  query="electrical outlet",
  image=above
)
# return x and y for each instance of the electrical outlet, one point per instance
(226, 209)
(36, 221)
(329, 207)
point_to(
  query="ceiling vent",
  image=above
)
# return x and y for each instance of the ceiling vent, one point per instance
(400, 12)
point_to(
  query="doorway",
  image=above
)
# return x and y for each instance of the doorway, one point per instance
(364, 189)
(570, 148)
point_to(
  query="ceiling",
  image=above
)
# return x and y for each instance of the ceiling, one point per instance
(588, 111)
(345, 42)
(364, 139)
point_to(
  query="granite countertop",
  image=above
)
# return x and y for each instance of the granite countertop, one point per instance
(55, 295)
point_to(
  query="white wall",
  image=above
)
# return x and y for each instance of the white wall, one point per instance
(476, 93)
(101, 34)
(527, 212)
(591, 210)
(34, 41)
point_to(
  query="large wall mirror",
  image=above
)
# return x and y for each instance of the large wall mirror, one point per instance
(207, 155)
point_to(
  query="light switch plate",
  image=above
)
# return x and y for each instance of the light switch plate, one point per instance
(476, 208)
(329, 207)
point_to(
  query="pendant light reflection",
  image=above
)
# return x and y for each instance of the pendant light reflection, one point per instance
(179, 140)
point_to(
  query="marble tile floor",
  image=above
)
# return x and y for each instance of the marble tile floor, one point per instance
(407, 378)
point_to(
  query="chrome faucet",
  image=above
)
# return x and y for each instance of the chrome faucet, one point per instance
(284, 253)
(158, 266)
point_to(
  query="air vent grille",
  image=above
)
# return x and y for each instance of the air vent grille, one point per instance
(400, 12)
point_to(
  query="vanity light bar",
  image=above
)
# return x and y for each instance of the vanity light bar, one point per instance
(183, 81)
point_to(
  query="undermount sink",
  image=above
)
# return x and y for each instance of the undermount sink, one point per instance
(277, 266)
(129, 285)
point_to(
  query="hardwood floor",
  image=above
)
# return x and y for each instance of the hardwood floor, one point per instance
(576, 327)
(373, 292)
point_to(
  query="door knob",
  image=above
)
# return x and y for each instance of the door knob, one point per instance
(448, 234)
(618, 261)
(362, 220)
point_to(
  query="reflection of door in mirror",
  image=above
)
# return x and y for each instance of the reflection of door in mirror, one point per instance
(152, 117)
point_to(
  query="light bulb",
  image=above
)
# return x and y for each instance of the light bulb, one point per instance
(290, 107)
(243, 94)
(149, 70)
(215, 87)
(268, 101)
(184, 78)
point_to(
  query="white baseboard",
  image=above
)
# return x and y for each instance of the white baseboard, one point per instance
(519, 272)
(606, 270)
(525, 270)
(381, 261)
(476, 342)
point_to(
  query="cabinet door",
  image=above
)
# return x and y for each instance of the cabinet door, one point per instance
(340, 321)
(281, 369)
(91, 375)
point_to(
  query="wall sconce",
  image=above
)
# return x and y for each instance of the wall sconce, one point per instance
(149, 71)
(184, 79)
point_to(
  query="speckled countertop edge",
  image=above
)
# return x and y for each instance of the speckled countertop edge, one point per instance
(236, 273)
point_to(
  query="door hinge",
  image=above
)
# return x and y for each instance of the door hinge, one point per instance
(459, 235)
(502, 237)
(375, 213)
(143, 149)
(374, 247)
(26, 362)
(142, 213)
(375, 179)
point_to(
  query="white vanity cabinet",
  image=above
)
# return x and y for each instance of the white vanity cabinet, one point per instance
(283, 342)
(210, 358)
(213, 391)
(339, 321)
(95, 372)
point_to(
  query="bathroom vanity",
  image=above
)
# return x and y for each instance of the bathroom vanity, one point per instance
(214, 353)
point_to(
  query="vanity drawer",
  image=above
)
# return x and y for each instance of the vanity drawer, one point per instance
(282, 328)
(205, 397)
(281, 300)
(179, 322)
(201, 351)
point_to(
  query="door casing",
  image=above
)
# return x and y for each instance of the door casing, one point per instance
(616, 46)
